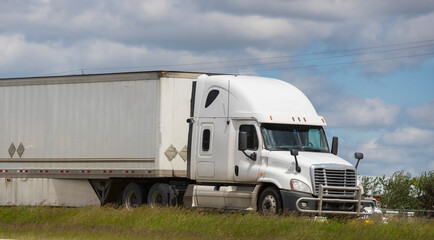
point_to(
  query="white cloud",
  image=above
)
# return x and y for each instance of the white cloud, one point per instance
(409, 149)
(341, 109)
(408, 137)
(225, 27)
(354, 111)
(422, 115)
(431, 166)
(16, 53)
(411, 29)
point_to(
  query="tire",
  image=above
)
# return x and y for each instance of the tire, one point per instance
(160, 194)
(270, 201)
(132, 196)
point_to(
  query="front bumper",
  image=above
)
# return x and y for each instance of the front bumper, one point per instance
(290, 198)
(306, 203)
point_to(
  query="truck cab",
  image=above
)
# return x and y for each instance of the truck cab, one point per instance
(258, 143)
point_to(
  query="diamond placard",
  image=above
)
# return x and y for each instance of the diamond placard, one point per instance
(12, 150)
(171, 152)
(183, 153)
(20, 149)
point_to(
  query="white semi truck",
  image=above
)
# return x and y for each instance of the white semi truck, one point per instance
(169, 138)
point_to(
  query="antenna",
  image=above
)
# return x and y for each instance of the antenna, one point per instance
(229, 93)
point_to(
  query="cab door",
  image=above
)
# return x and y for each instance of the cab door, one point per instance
(246, 169)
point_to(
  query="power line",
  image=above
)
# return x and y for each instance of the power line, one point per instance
(285, 68)
(412, 147)
(278, 57)
(381, 125)
(165, 66)
(347, 63)
(419, 147)
(312, 59)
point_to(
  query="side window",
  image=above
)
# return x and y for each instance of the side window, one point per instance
(212, 95)
(206, 137)
(252, 138)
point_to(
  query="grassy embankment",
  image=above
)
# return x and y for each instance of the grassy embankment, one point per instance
(175, 223)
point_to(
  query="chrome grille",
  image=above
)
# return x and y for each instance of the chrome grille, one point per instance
(334, 177)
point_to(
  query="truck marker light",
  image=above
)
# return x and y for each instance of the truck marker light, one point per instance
(299, 119)
(149, 171)
(322, 120)
(271, 117)
(260, 174)
(293, 119)
(304, 119)
(8, 180)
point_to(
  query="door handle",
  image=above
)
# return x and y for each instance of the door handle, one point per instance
(236, 170)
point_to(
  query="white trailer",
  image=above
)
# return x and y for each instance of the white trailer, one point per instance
(169, 138)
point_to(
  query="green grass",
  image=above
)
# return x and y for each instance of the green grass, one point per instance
(175, 223)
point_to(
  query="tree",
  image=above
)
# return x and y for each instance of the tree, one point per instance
(371, 185)
(425, 188)
(399, 191)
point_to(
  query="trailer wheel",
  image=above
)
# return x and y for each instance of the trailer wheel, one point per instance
(132, 196)
(160, 194)
(270, 201)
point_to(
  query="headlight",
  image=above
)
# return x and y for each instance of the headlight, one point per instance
(300, 186)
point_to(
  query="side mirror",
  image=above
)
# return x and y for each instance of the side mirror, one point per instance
(294, 152)
(242, 145)
(242, 141)
(335, 146)
(358, 156)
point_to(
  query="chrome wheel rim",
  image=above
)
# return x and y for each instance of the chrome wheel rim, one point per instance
(157, 199)
(131, 200)
(269, 204)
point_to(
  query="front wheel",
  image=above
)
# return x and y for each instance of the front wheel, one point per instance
(270, 201)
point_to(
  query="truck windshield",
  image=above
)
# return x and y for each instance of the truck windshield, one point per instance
(285, 137)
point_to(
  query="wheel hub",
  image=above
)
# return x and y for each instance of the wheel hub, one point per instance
(269, 204)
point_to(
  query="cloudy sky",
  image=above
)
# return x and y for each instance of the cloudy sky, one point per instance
(367, 66)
